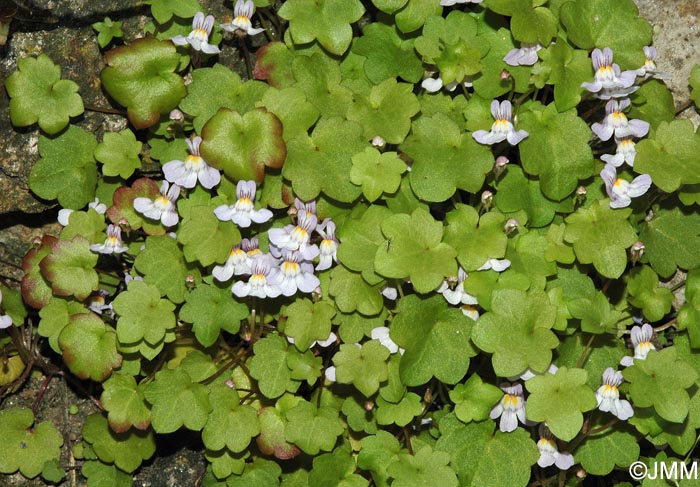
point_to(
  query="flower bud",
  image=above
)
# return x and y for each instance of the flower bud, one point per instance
(189, 281)
(636, 251)
(177, 116)
(505, 74)
(500, 166)
(511, 226)
(378, 142)
(486, 200)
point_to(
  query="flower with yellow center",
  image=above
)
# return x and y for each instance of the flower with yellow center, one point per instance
(608, 395)
(241, 24)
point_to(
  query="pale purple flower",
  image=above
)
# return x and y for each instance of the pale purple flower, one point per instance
(199, 37)
(498, 265)
(529, 374)
(549, 453)
(609, 82)
(511, 407)
(295, 237)
(502, 129)
(64, 214)
(390, 293)
(625, 152)
(330, 373)
(608, 396)
(332, 337)
(457, 295)
(302, 207)
(432, 85)
(5, 320)
(649, 68)
(381, 333)
(243, 212)
(128, 278)
(328, 248)
(616, 122)
(163, 207)
(98, 303)
(113, 242)
(261, 283)
(237, 263)
(641, 339)
(242, 11)
(526, 55)
(621, 191)
(186, 173)
(295, 273)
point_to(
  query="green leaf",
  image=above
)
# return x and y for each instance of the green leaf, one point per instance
(293, 107)
(357, 416)
(519, 192)
(669, 155)
(36, 290)
(662, 381)
(89, 224)
(362, 367)
(269, 367)
(89, 347)
(55, 317)
(162, 265)
(556, 150)
(490, 84)
(336, 469)
(26, 448)
(386, 111)
(557, 249)
(70, 268)
(38, 94)
(401, 413)
(143, 315)
(388, 54)
(163, 10)
(99, 474)
(560, 399)
(13, 305)
(567, 68)
(126, 450)
(477, 239)
(313, 429)
(694, 82)
(242, 146)
(646, 294)
(202, 102)
(474, 399)
(445, 159)
(600, 453)
(596, 314)
(689, 314)
(414, 14)
(119, 152)
(596, 23)
(126, 404)
(52, 471)
(600, 235)
(425, 468)
(450, 44)
(653, 103)
(66, 162)
(271, 440)
(671, 239)
(327, 21)
(435, 337)
(107, 30)
(376, 453)
(210, 310)
(477, 454)
(205, 238)
(308, 322)
(177, 401)
(141, 77)
(531, 22)
(416, 251)
(517, 332)
(323, 161)
(231, 424)
(320, 77)
(361, 237)
(352, 293)
(377, 173)
(260, 473)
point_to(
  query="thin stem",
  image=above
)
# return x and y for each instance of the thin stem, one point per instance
(114, 111)
(584, 352)
(246, 54)
(600, 429)
(41, 392)
(407, 435)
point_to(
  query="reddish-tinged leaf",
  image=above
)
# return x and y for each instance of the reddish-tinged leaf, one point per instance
(273, 63)
(123, 206)
(36, 291)
(70, 268)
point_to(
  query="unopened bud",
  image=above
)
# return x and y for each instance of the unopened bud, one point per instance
(36, 241)
(369, 405)
(581, 192)
(378, 142)
(317, 294)
(511, 226)
(581, 473)
(177, 116)
(505, 74)
(636, 251)
(189, 281)
(486, 200)
(500, 166)
(230, 383)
